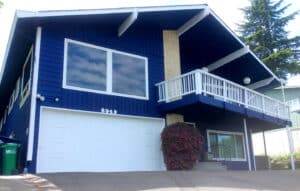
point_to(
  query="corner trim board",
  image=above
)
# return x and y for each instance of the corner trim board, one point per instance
(33, 93)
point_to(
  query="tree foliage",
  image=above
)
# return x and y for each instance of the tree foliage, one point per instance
(264, 30)
(1, 4)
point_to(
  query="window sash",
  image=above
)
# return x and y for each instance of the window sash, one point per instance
(25, 86)
(109, 71)
(226, 145)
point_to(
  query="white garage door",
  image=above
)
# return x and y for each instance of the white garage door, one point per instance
(73, 141)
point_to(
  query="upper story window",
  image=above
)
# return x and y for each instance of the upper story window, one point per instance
(26, 76)
(101, 70)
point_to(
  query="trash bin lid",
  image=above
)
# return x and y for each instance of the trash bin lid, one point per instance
(10, 145)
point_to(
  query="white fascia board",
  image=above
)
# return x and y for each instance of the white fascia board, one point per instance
(268, 69)
(26, 14)
(193, 21)
(11, 34)
(236, 37)
(127, 22)
(261, 83)
(230, 57)
(38, 14)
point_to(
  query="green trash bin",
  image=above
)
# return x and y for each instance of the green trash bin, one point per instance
(9, 158)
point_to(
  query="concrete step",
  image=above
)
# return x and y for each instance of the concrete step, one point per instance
(210, 166)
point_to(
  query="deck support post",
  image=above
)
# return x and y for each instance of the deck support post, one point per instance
(291, 146)
(265, 149)
(247, 144)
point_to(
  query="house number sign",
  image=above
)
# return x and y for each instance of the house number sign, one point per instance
(108, 111)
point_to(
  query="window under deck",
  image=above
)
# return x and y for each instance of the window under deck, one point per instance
(199, 86)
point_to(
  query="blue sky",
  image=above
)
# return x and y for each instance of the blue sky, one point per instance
(228, 10)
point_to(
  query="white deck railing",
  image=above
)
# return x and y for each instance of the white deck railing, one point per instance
(201, 82)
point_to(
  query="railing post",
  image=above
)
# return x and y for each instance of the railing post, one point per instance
(277, 105)
(198, 82)
(246, 98)
(263, 105)
(166, 92)
(224, 90)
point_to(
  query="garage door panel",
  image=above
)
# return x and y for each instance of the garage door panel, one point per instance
(71, 141)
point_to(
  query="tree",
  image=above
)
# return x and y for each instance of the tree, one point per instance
(264, 30)
(1, 4)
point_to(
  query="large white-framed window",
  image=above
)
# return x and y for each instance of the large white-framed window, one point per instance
(26, 77)
(226, 145)
(102, 70)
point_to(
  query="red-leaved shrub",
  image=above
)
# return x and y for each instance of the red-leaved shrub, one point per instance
(181, 146)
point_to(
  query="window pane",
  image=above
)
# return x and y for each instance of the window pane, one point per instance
(26, 74)
(239, 146)
(128, 75)
(226, 143)
(86, 67)
(214, 148)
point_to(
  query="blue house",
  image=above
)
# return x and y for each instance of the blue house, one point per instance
(91, 90)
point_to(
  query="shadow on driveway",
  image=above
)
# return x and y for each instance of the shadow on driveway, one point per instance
(177, 180)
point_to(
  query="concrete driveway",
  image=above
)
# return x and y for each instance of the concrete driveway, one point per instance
(179, 180)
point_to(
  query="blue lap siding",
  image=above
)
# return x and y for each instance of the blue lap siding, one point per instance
(147, 43)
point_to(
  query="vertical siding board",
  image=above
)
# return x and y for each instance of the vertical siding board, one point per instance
(139, 41)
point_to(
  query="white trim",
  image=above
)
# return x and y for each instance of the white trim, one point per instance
(291, 146)
(247, 144)
(25, 88)
(127, 22)
(227, 133)
(11, 34)
(34, 93)
(58, 13)
(109, 72)
(99, 113)
(193, 21)
(239, 40)
(17, 89)
(253, 156)
(193, 124)
(230, 57)
(109, 67)
(30, 14)
(268, 69)
(11, 102)
(261, 83)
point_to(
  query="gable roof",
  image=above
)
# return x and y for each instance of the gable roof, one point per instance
(186, 14)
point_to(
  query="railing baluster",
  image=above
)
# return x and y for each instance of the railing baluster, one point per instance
(199, 82)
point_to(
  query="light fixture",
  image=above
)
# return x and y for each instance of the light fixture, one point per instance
(247, 80)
